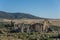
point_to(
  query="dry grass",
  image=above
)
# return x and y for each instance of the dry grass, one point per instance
(31, 21)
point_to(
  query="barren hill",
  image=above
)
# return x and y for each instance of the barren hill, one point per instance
(7, 15)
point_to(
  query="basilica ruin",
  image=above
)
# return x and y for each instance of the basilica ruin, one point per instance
(35, 27)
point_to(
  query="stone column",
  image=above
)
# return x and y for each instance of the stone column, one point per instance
(45, 25)
(22, 28)
(28, 30)
(41, 28)
(14, 26)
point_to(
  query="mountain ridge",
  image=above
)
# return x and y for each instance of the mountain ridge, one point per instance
(17, 15)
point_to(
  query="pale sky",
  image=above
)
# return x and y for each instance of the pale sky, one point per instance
(41, 8)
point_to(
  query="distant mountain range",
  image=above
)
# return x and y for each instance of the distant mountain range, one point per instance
(8, 15)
